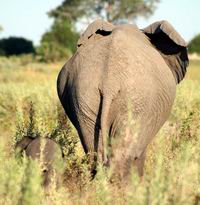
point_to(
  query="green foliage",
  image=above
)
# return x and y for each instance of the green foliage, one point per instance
(31, 190)
(16, 46)
(30, 121)
(59, 42)
(26, 125)
(62, 134)
(20, 180)
(52, 52)
(194, 45)
(112, 10)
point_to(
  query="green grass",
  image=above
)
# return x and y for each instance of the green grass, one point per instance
(172, 169)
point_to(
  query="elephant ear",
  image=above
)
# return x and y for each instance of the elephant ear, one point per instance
(171, 46)
(23, 144)
(100, 27)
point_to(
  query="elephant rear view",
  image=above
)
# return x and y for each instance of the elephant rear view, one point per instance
(119, 87)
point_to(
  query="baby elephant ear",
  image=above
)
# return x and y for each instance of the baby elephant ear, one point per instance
(23, 144)
(171, 46)
(99, 26)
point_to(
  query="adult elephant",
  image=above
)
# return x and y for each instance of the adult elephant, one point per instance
(119, 87)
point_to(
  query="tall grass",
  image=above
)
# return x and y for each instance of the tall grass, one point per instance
(29, 106)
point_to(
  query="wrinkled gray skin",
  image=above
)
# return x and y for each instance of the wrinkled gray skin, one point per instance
(119, 87)
(49, 155)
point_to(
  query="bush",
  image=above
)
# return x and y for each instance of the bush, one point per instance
(59, 42)
(30, 123)
(51, 52)
(16, 46)
(194, 45)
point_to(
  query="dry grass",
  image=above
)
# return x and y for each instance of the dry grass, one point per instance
(172, 166)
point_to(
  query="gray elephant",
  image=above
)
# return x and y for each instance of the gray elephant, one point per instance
(119, 87)
(47, 152)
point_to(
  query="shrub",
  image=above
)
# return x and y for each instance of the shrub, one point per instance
(59, 42)
(194, 45)
(29, 124)
(52, 52)
(16, 46)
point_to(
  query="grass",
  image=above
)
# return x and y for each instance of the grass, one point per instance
(172, 168)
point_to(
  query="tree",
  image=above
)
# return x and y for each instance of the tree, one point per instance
(59, 42)
(194, 45)
(111, 10)
(62, 38)
(15, 46)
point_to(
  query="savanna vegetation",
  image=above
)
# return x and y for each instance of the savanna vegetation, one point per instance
(29, 106)
(16, 46)
(194, 45)
(59, 41)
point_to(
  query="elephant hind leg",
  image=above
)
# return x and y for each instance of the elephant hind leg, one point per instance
(124, 158)
(139, 163)
(121, 171)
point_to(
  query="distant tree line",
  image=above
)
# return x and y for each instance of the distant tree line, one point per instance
(194, 45)
(60, 40)
(15, 46)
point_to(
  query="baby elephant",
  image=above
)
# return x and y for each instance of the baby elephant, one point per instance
(47, 152)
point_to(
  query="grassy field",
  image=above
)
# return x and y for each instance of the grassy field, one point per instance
(172, 169)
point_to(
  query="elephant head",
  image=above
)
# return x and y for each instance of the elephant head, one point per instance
(46, 151)
(171, 46)
(94, 30)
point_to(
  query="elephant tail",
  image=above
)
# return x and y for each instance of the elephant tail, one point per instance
(104, 128)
